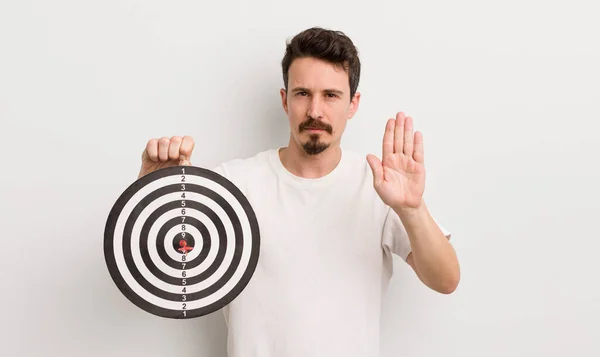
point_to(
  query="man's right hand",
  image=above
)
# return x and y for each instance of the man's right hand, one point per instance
(165, 152)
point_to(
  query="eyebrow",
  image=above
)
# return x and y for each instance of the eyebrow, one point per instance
(331, 90)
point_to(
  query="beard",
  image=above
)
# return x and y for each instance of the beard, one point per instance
(314, 145)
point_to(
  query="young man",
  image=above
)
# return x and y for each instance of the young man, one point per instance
(330, 219)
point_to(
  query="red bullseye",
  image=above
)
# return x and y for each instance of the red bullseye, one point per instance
(184, 247)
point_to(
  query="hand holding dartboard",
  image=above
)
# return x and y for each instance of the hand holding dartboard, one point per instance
(181, 241)
(165, 152)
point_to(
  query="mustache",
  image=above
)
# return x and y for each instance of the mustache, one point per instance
(312, 123)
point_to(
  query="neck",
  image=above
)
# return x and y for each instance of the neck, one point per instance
(301, 164)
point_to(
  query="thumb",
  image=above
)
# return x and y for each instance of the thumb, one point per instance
(184, 161)
(376, 167)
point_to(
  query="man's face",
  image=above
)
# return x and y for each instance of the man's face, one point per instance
(317, 103)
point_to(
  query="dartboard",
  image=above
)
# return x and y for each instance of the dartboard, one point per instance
(181, 242)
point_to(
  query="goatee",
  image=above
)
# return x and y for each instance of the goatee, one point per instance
(314, 146)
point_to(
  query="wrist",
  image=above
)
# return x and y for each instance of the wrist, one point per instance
(411, 214)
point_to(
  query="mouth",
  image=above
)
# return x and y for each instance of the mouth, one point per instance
(314, 126)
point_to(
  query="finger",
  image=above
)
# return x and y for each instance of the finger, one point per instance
(388, 138)
(152, 149)
(419, 154)
(399, 133)
(185, 151)
(163, 149)
(408, 137)
(377, 169)
(174, 145)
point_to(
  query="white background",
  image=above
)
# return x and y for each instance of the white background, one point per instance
(507, 95)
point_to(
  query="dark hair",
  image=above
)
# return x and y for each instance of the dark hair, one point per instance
(328, 45)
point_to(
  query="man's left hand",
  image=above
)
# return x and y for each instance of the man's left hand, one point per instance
(399, 177)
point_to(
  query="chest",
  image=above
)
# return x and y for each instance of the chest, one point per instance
(327, 233)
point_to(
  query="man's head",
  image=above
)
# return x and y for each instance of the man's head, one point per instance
(321, 71)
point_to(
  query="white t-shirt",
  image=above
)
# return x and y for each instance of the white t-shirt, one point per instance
(325, 260)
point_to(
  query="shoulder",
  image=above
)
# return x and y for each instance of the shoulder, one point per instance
(358, 177)
(238, 169)
(356, 173)
(355, 159)
(356, 164)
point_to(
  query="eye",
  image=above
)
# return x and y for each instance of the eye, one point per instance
(301, 93)
(332, 95)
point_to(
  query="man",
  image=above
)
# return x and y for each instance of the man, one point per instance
(330, 219)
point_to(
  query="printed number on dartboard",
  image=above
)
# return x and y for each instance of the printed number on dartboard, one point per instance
(184, 255)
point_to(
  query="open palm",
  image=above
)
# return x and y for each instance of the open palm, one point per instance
(399, 177)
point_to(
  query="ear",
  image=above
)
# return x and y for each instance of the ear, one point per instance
(354, 105)
(284, 104)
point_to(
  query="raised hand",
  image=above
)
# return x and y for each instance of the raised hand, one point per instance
(165, 152)
(399, 177)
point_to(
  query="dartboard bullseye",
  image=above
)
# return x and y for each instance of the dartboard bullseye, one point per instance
(181, 242)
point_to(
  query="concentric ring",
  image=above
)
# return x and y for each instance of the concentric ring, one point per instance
(165, 205)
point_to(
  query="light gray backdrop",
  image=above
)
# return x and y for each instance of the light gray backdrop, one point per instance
(507, 95)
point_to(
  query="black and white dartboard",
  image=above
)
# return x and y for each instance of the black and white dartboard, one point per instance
(181, 242)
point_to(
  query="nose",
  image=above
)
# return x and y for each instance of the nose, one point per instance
(315, 109)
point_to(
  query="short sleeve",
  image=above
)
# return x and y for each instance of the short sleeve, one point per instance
(395, 238)
(219, 169)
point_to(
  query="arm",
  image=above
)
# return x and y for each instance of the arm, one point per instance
(432, 257)
(399, 179)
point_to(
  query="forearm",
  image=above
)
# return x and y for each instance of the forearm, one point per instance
(433, 257)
